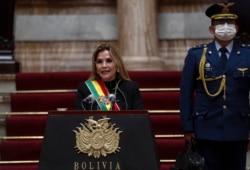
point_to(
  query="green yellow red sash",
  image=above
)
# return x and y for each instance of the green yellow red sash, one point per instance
(101, 94)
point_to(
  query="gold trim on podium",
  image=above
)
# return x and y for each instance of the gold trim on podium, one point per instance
(46, 113)
(74, 90)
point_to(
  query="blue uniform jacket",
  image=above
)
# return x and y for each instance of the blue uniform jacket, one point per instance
(213, 118)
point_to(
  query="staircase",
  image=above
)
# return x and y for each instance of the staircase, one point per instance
(37, 93)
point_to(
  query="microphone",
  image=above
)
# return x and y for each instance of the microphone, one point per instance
(112, 98)
(89, 100)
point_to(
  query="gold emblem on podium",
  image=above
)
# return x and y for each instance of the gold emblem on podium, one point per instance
(97, 138)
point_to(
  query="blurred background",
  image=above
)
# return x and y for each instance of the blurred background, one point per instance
(60, 35)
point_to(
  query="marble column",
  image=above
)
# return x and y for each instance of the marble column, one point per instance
(137, 33)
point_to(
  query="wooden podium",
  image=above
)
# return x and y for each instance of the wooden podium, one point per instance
(98, 140)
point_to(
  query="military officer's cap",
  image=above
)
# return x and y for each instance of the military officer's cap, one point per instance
(222, 10)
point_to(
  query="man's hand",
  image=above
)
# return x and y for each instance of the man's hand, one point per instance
(188, 136)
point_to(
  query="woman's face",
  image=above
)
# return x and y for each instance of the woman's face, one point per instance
(105, 66)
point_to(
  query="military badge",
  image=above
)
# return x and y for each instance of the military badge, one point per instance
(208, 67)
(97, 138)
(242, 70)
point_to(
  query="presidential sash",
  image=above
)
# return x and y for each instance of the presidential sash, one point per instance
(101, 94)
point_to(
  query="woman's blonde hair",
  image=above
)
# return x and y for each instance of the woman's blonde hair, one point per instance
(121, 70)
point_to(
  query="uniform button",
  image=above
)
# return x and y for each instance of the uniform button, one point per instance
(224, 106)
(197, 114)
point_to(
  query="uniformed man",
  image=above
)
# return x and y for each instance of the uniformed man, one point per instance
(215, 93)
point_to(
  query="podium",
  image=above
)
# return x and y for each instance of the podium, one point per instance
(98, 140)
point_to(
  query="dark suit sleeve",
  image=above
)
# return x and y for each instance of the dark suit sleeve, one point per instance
(187, 86)
(129, 97)
(82, 93)
(137, 98)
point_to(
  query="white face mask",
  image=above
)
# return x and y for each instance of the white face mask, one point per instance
(225, 31)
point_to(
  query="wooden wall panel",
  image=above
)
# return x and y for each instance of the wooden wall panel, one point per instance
(76, 56)
(65, 6)
(56, 56)
(184, 5)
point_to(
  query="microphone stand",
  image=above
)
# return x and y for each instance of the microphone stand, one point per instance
(112, 99)
(82, 104)
(92, 103)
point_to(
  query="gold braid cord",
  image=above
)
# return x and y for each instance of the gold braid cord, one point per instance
(203, 79)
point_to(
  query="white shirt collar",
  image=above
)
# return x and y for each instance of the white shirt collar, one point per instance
(229, 47)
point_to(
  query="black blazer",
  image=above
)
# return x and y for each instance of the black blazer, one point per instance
(127, 96)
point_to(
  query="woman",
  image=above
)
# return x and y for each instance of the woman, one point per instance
(109, 86)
